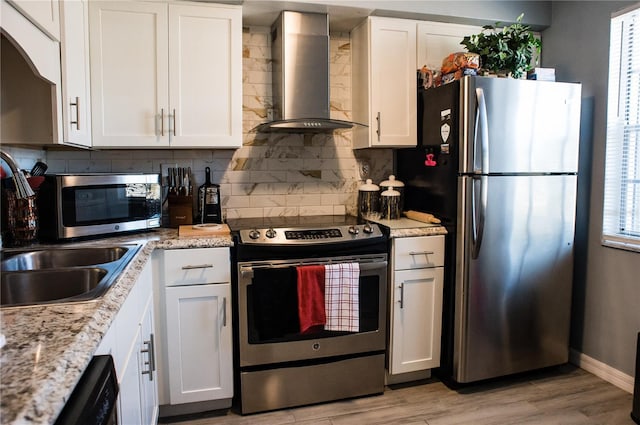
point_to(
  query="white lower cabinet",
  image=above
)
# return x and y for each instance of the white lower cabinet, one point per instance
(196, 330)
(147, 367)
(199, 342)
(417, 276)
(131, 343)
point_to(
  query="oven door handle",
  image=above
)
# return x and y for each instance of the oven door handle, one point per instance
(247, 272)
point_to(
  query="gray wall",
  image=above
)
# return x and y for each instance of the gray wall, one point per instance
(606, 305)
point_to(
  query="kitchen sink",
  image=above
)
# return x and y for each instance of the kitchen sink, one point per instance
(36, 287)
(60, 275)
(67, 257)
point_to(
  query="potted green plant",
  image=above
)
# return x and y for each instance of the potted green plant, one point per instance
(506, 49)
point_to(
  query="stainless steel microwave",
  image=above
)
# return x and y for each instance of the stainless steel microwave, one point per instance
(81, 205)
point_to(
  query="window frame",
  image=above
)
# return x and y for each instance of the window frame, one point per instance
(621, 200)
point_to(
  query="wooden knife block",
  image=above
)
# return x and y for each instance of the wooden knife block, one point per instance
(180, 210)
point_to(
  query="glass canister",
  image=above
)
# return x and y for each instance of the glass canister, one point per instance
(368, 200)
(397, 185)
(390, 200)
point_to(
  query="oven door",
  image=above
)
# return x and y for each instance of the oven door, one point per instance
(267, 300)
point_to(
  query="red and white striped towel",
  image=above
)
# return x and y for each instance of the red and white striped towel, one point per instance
(341, 297)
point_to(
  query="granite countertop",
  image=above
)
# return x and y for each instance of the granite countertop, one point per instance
(48, 347)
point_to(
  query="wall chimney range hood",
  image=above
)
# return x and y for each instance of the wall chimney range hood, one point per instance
(300, 70)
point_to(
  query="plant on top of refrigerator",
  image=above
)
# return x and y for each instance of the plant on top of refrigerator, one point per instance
(507, 49)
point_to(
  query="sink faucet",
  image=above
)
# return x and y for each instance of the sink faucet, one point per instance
(23, 190)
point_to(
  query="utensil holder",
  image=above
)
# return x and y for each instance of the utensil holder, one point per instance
(180, 210)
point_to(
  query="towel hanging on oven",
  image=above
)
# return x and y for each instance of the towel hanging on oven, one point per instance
(341, 297)
(311, 298)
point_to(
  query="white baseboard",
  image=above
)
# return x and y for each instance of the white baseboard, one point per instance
(602, 370)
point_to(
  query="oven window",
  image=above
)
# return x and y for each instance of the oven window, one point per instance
(90, 205)
(272, 307)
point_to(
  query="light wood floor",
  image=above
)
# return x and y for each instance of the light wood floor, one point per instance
(564, 395)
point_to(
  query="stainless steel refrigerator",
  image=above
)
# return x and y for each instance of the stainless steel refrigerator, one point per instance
(497, 161)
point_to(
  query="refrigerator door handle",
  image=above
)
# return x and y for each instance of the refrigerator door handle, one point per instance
(483, 123)
(479, 207)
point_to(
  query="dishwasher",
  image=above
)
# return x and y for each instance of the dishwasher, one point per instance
(93, 401)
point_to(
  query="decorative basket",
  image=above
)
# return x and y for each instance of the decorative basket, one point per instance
(22, 218)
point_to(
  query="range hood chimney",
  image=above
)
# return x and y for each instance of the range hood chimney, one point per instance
(300, 61)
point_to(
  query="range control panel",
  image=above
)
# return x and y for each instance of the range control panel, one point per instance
(304, 236)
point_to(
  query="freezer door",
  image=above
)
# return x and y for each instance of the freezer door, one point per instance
(514, 268)
(519, 126)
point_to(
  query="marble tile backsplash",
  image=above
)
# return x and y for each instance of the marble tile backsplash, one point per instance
(272, 174)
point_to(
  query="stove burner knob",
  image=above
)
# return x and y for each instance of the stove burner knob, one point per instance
(270, 233)
(254, 234)
(367, 228)
(353, 230)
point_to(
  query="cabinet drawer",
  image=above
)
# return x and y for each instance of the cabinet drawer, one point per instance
(418, 252)
(196, 266)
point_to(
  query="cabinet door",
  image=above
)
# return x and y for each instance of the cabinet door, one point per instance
(393, 83)
(417, 320)
(45, 14)
(205, 70)
(129, 76)
(148, 374)
(76, 112)
(129, 409)
(436, 40)
(199, 343)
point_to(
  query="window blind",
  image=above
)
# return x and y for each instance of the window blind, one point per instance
(621, 209)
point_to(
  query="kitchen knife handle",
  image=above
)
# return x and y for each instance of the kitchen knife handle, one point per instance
(197, 266)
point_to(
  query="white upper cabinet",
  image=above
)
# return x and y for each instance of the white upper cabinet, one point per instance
(45, 14)
(436, 40)
(205, 76)
(76, 107)
(384, 82)
(129, 75)
(166, 75)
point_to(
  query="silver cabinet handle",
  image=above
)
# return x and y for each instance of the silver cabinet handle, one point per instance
(153, 352)
(174, 122)
(77, 105)
(162, 122)
(151, 361)
(197, 266)
(401, 295)
(421, 253)
(378, 129)
(224, 312)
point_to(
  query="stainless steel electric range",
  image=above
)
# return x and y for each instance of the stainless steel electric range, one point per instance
(280, 363)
